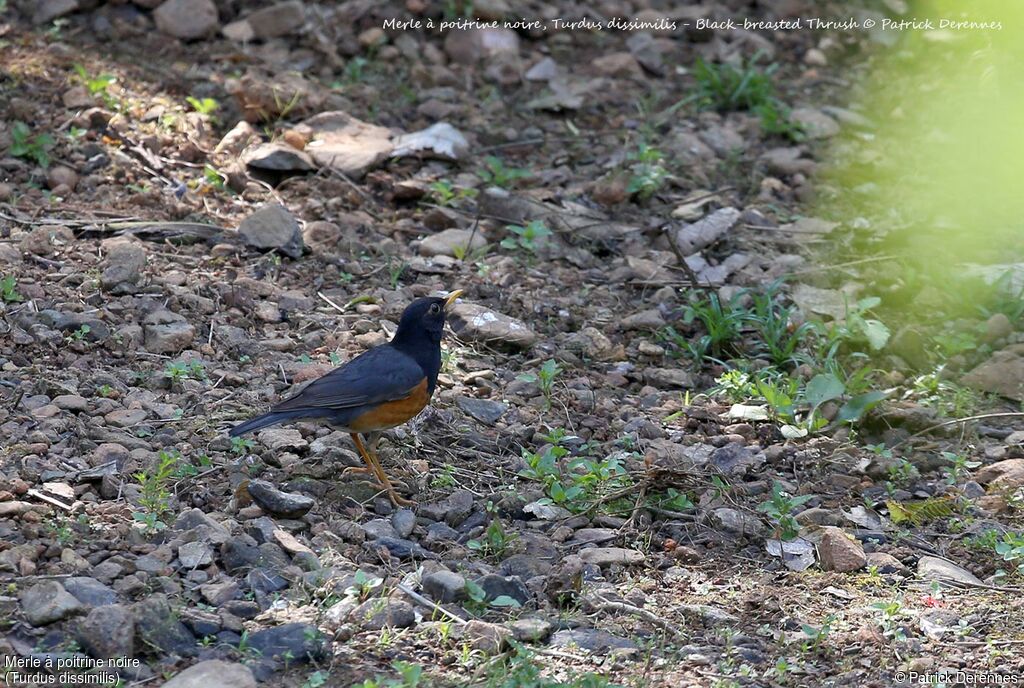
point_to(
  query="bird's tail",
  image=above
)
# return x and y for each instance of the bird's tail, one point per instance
(266, 420)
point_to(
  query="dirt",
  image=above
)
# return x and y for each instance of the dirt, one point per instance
(164, 290)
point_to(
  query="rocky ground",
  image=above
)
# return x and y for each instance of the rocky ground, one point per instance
(205, 205)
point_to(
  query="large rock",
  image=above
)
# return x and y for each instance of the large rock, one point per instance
(166, 332)
(840, 552)
(107, 632)
(47, 602)
(186, 19)
(214, 672)
(445, 586)
(272, 226)
(1002, 374)
(479, 323)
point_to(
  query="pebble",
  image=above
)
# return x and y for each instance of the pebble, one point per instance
(48, 601)
(278, 502)
(214, 672)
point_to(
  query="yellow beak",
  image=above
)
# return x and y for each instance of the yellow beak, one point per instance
(450, 301)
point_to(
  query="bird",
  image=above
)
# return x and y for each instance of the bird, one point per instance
(380, 388)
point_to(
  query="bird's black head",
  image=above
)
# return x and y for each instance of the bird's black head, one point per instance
(424, 319)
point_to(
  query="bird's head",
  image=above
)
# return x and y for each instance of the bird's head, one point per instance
(426, 315)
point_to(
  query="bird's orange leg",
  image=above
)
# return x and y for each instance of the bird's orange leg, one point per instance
(371, 451)
(373, 463)
(371, 468)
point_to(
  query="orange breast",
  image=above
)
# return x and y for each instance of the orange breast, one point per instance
(392, 413)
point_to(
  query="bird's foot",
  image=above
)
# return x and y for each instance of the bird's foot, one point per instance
(397, 499)
(361, 470)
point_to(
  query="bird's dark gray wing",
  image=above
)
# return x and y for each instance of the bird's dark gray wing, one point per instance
(378, 375)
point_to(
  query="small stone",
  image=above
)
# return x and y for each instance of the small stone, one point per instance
(299, 642)
(885, 563)
(277, 20)
(933, 568)
(277, 157)
(644, 320)
(158, 629)
(90, 591)
(107, 632)
(998, 327)
(166, 332)
(48, 10)
(1002, 374)
(404, 521)
(511, 587)
(486, 637)
(444, 586)
(840, 552)
(606, 556)
(214, 672)
(452, 242)
(816, 124)
(668, 378)
(280, 439)
(279, 503)
(71, 402)
(531, 630)
(192, 555)
(59, 175)
(186, 19)
(618, 65)
(379, 613)
(274, 227)
(47, 602)
(478, 323)
(483, 410)
(592, 640)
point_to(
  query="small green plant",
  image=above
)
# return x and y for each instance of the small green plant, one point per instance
(444, 193)
(105, 391)
(395, 271)
(214, 177)
(528, 237)
(204, 106)
(776, 121)
(79, 334)
(180, 370)
(25, 145)
(521, 670)
(495, 173)
(318, 679)
(779, 507)
(725, 87)
(772, 321)
(98, 85)
(355, 70)
(889, 619)
(496, 539)
(545, 378)
(154, 497)
(902, 472)
(445, 478)
(649, 174)
(735, 385)
(241, 446)
(363, 585)
(817, 636)
(958, 468)
(722, 324)
(1011, 549)
(9, 291)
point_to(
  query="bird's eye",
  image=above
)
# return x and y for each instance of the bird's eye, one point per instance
(435, 308)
